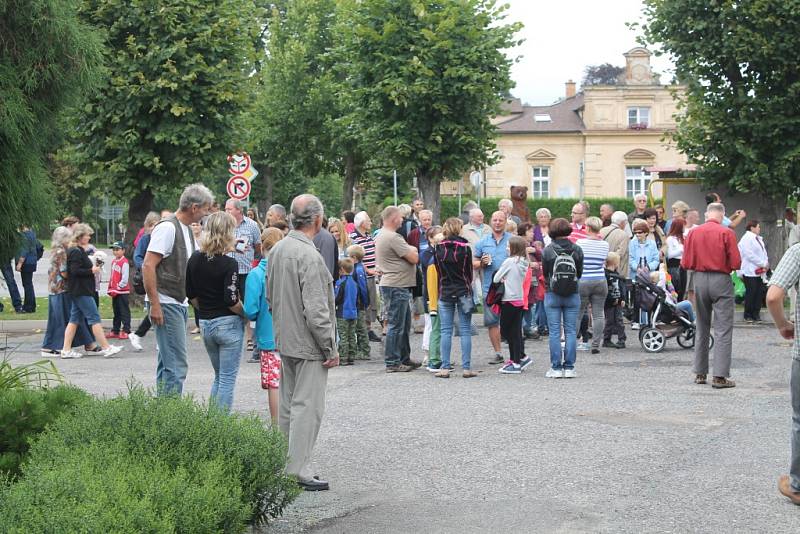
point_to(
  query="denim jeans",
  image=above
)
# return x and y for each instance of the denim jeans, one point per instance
(11, 284)
(171, 350)
(794, 386)
(30, 295)
(447, 312)
(565, 308)
(223, 339)
(397, 347)
(541, 316)
(527, 319)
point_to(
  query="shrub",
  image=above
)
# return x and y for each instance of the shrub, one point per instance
(37, 374)
(25, 413)
(97, 488)
(182, 434)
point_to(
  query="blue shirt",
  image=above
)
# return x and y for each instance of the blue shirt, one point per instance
(498, 250)
(256, 307)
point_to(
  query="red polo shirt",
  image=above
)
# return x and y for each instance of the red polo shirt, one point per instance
(578, 232)
(710, 247)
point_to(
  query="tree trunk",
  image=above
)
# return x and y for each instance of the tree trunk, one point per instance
(138, 208)
(268, 189)
(351, 172)
(429, 188)
(770, 210)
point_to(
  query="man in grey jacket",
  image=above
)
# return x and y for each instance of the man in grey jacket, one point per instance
(300, 292)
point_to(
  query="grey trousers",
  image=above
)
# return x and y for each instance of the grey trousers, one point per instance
(794, 386)
(714, 294)
(594, 292)
(302, 403)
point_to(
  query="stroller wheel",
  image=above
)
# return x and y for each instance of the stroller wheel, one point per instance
(686, 338)
(652, 339)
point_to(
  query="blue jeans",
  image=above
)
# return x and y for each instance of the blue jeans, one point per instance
(447, 312)
(223, 339)
(686, 307)
(397, 348)
(171, 352)
(11, 284)
(541, 316)
(559, 307)
(794, 386)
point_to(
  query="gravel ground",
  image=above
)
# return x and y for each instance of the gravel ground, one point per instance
(631, 445)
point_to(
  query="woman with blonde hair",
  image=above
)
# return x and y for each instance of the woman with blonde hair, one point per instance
(256, 308)
(211, 286)
(337, 230)
(81, 286)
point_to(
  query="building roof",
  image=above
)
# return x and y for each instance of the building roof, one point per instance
(564, 117)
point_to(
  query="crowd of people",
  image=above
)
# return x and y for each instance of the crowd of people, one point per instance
(300, 293)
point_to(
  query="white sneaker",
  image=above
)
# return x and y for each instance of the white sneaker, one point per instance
(136, 342)
(70, 354)
(635, 326)
(583, 347)
(111, 351)
(554, 373)
(569, 373)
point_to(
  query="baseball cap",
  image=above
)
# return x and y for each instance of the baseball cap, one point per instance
(117, 244)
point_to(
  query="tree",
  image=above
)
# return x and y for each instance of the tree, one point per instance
(428, 77)
(169, 111)
(47, 58)
(605, 74)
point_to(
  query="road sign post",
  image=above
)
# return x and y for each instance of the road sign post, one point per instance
(238, 187)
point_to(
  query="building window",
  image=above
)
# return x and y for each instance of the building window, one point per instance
(636, 180)
(540, 184)
(542, 117)
(638, 117)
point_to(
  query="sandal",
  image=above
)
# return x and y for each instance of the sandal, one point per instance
(720, 382)
(700, 379)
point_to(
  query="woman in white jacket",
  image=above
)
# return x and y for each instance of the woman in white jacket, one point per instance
(753, 272)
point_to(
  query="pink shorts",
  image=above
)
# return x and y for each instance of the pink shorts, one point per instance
(270, 369)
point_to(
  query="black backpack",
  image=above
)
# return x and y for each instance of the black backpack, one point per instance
(564, 278)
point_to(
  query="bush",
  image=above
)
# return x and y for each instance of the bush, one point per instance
(182, 434)
(95, 488)
(25, 413)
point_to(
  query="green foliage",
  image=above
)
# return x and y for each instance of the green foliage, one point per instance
(47, 58)
(98, 488)
(740, 118)
(184, 435)
(605, 74)
(427, 78)
(25, 413)
(39, 374)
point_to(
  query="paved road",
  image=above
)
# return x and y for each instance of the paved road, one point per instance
(631, 445)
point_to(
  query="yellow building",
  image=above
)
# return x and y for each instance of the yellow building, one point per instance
(605, 141)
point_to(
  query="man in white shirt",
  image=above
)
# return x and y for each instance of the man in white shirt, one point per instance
(164, 274)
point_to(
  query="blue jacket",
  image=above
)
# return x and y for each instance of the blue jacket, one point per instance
(141, 250)
(28, 251)
(361, 277)
(256, 307)
(649, 253)
(347, 298)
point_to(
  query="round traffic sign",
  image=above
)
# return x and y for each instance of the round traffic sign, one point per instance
(238, 163)
(238, 188)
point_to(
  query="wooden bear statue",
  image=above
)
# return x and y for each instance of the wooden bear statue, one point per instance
(519, 196)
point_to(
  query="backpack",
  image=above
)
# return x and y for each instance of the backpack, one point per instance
(137, 281)
(564, 278)
(39, 250)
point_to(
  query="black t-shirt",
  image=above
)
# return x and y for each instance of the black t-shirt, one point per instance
(213, 282)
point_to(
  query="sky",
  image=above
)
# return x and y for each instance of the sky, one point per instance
(562, 37)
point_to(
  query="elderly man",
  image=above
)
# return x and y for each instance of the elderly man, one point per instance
(606, 211)
(300, 292)
(640, 204)
(786, 277)
(711, 251)
(247, 249)
(397, 262)
(276, 213)
(468, 207)
(506, 206)
(579, 214)
(490, 252)
(361, 236)
(164, 276)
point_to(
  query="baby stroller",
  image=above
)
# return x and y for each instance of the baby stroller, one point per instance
(665, 320)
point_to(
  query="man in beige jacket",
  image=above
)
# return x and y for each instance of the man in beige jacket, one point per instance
(300, 291)
(618, 239)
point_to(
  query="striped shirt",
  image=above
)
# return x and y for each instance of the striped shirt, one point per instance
(368, 244)
(787, 276)
(595, 252)
(248, 233)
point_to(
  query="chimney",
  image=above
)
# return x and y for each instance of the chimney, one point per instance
(570, 89)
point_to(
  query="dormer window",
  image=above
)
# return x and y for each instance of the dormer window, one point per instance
(542, 117)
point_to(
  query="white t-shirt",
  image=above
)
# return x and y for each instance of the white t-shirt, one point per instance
(161, 242)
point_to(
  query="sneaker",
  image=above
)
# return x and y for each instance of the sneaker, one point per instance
(531, 334)
(496, 359)
(583, 347)
(112, 350)
(70, 354)
(525, 362)
(123, 335)
(620, 344)
(414, 364)
(434, 368)
(544, 332)
(399, 369)
(373, 337)
(554, 373)
(136, 342)
(595, 351)
(112, 335)
(256, 358)
(608, 344)
(635, 326)
(569, 373)
(511, 368)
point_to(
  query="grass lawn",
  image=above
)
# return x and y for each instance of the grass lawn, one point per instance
(8, 313)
